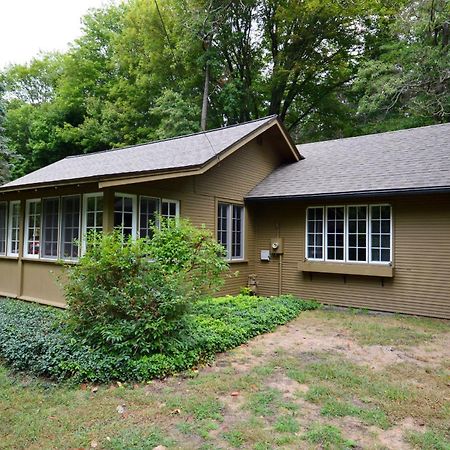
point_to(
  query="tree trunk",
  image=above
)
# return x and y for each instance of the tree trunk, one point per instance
(205, 99)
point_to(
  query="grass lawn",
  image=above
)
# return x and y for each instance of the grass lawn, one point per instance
(329, 380)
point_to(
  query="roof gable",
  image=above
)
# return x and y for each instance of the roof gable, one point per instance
(175, 155)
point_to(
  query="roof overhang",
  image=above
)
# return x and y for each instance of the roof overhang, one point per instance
(121, 179)
(354, 194)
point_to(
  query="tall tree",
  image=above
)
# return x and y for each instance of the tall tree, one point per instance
(4, 152)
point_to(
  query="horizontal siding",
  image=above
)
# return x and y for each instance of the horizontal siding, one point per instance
(421, 282)
(9, 276)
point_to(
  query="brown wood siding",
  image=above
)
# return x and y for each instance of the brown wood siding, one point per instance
(231, 180)
(421, 282)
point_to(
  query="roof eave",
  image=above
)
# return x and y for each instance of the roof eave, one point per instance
(354, 194)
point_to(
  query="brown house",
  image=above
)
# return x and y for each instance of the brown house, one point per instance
(362, 222)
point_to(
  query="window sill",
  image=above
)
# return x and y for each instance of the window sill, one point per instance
(371, 270)
(59, 262)
(13, 258)
(237, 261)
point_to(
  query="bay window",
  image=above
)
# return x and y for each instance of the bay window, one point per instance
(3, 226)
(354, 233)
(230, 229)
(32, 238)
(13, 226)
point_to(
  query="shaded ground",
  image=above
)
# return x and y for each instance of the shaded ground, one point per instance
(331, 379)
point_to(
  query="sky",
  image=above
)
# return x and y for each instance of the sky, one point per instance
(30, 26)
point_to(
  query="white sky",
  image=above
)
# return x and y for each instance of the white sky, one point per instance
(30, 26)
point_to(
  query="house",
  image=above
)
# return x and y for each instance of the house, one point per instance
(361, 222)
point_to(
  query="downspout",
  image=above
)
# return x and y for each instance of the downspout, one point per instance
(280, 264)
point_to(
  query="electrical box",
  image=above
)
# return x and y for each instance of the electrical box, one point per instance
(276, 246)
(265, 255)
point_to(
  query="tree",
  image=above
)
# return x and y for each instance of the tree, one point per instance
(4, 152)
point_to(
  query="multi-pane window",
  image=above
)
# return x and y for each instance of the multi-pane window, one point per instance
(124, 214)
(70, 227)
(380, 230)
(170, 209)
(348, 234)
(314, 233)
(14, 224)
(93, 213)
(50, 228)
(3, 226)
(32, 239)
(335, 233)
(357, 233)
(230, 229)
(148, 212)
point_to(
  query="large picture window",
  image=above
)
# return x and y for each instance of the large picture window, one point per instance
(230, 229)
(355, 233)
(32, 239)
(3, 226)
(13, 225)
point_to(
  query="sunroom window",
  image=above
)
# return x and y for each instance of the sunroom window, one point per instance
(381, 233)
(148, 211)
(13, 225)
(70, 227)
(3, 227)
(32, 239)
(50, 228)
(170, 209)
(125, 214)
(314, 233)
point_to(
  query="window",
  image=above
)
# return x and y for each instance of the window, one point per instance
(125, 214)
(92, 213)
(230, 229)
(380, 230)
(335, 233)
(50, 228)
(314, 233)
(357, 233)
(349, 238)
(148, 211)
(14, 221)
(170, 209)
(3, 227)
(70, 227)
(32, 229)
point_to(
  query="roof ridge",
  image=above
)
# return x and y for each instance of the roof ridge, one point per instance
(376, 134)
(198, 133)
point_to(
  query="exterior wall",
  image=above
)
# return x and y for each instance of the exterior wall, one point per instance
(421, 258)
(230, 180)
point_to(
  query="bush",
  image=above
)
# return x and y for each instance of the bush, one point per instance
(128, 296)
(35, 338)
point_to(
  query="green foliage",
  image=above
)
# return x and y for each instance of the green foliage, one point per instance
(328, 437)
(428, 440)
(35, 339)
(4, 152)
(128, 296)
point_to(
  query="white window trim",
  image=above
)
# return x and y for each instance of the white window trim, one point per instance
(58, 240)
(325, 238)
(347, 260)
(323, 233)
(170, 201)
(9, 231)
(369, 236)
(84, 217)
(26, 229)
(60, 233)
(229, 247)
(391, 233)
(6, 227)
(134, 211)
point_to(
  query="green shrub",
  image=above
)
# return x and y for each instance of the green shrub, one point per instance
(127, 296)
(35, 338)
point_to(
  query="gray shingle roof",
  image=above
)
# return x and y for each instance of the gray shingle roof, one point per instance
(406, 160)
(178, 153)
